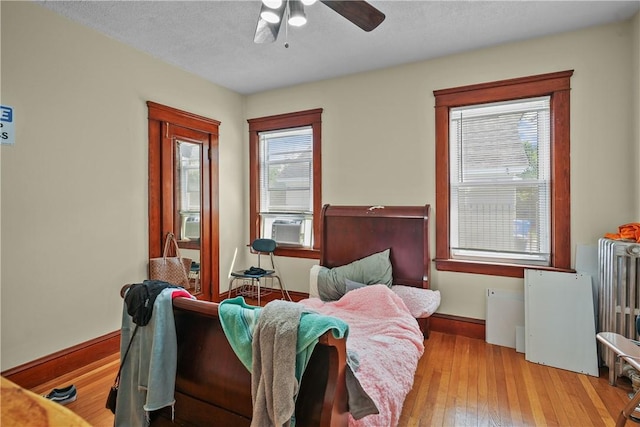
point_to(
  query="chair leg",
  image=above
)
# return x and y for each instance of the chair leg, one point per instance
(283, 289)
(613, 371)
(258, 288)
(230, 287)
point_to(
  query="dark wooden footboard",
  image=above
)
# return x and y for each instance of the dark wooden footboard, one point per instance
(213, 386)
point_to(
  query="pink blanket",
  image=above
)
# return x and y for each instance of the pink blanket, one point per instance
(387, 340)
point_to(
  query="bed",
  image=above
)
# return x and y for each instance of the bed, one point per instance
(212, 384)
(350, 233)
(382, 297)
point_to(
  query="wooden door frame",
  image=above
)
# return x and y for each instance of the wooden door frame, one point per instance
(159, 117)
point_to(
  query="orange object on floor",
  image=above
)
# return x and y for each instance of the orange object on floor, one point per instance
(629, 231)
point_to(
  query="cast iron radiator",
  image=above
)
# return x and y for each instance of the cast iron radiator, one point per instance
(619, 293)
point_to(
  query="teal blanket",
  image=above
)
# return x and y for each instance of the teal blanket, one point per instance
(267, 340)
(239, 320)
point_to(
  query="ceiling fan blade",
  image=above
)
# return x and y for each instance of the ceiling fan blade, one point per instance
(359, 12)
(267, 32)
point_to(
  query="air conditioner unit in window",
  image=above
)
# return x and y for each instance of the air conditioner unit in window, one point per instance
(287, 232)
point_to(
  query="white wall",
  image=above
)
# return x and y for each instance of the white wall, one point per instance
(74, 186)
(378, 135)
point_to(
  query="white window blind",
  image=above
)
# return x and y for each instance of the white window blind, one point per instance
(286, 185)
(499, 182)
(286, 174)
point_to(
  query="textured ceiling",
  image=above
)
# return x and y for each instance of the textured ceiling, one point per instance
(214, 39)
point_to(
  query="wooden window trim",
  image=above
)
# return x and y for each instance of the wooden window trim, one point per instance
(557, 86)
(311, 118)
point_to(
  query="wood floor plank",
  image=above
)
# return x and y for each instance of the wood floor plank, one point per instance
(609, 394)
(93, 384)
(421, 390)
(503, 411)
(585, 408)
(482, 387)
(443, 369)
(512, 389)
(422, 409)
(535, 399)
(538, 374)
(597, 402)
(562, 402)
(471, 392)
(454, 414)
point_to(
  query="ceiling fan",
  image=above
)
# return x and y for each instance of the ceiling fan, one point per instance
(272, 13)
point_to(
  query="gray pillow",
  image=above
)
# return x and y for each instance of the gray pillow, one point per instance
(351, 285)
(371, 270)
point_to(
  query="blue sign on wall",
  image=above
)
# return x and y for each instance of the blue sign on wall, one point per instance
(7, 128)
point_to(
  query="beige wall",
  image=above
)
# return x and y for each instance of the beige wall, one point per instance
(635, 84)
(378, 136)
(0, 197)
(74, 186)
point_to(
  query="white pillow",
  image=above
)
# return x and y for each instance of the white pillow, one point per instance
(420, 302)
(313, 281)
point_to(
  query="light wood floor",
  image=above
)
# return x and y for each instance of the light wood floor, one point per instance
(459, 382)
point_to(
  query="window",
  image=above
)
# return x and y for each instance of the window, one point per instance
(502, 176)
(286, 185)
(188, 190)
(285, 181)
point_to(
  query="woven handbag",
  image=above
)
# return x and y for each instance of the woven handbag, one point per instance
(170, 269)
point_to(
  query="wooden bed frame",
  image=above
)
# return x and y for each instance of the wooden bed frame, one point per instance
(212, 385)
(353, 232)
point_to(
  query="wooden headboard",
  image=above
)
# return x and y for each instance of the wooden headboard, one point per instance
(353, 232)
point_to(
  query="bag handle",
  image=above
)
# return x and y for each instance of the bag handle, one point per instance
(116, 383)
(170, 238)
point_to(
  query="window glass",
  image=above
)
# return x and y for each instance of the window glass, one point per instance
(285, 179)
(503, 200)
(188, 186)
(500, 189)
(286, 171)
(286, 185)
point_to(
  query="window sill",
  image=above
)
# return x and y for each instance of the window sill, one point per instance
(297, 252)
(189, 244)
(506, 270)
